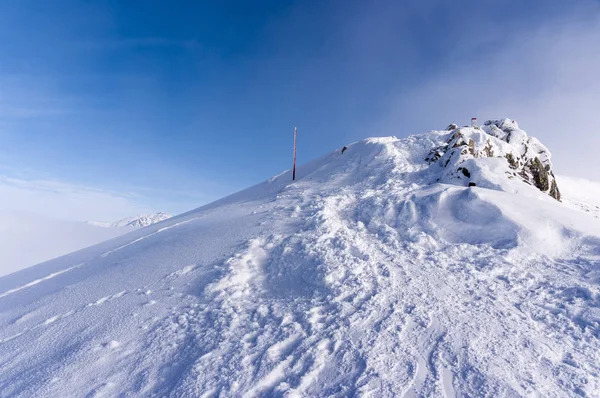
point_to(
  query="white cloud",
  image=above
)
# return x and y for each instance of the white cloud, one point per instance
(546, 79)
(66, 201)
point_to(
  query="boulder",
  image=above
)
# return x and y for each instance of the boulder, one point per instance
(464, 149)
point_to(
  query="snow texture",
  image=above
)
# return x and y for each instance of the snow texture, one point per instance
(364, 277)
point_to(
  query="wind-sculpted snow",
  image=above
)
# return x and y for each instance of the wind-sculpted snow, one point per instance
(360, 278)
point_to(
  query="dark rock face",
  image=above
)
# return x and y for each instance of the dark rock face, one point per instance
(554, 192)
(435, 154)
(511, 161)
(525, 156)
(465, 172)
(539, 173)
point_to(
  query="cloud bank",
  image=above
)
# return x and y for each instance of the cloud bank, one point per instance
(546, 78)
(66, 201)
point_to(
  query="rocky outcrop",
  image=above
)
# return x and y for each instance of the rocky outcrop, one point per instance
(517, 155)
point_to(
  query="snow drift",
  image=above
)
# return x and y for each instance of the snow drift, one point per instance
(366, 276)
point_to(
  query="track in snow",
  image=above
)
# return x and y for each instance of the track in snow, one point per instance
(359, 279)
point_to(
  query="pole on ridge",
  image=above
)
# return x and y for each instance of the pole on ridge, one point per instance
(294, 168)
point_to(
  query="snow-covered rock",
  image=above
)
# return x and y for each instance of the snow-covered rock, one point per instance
(485, 156)
(364, 277)
(140, 221)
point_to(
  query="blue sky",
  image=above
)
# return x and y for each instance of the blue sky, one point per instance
(168, 105)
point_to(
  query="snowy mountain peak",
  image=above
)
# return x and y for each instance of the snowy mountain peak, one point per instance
(140, 221)
(374, 273)
(485, 156)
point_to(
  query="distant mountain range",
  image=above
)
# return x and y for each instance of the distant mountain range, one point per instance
(140, 221)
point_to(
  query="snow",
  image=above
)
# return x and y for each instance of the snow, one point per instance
(142, 220)
(581, 194)
(362, 277)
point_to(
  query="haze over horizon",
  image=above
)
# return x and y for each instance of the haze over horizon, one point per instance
(111, 109)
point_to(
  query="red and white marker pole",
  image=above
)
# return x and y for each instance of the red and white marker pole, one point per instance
(294, 168)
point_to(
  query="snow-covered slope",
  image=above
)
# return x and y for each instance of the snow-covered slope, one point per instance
(581, 194)
(140, 221)
(27, 239)
(363, 277)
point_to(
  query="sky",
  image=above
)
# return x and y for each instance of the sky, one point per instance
(113, 108)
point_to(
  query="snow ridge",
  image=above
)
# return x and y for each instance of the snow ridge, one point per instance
(365, 276)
